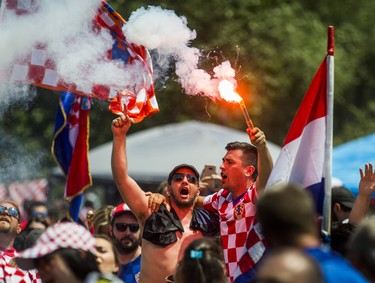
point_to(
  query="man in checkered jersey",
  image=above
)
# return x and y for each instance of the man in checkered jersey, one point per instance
(9, 228)
(245, 170)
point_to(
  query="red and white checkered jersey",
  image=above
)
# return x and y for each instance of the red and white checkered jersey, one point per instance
(242, 240)
(13, 274)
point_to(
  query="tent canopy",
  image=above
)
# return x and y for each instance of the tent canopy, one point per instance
(154, 152)
(349, 157)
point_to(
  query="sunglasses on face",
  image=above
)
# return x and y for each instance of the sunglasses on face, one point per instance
(121, 227)
(40, 214)
(11, 211)
(180, 176)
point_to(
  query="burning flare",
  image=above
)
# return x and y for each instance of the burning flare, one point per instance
(226, 90)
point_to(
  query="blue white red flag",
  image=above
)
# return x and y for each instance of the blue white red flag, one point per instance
(305, 157)
(70, 142)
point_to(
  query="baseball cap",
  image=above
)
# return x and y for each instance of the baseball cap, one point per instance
(183, 165)
(343, 196)
(119, 210)
(58, 236)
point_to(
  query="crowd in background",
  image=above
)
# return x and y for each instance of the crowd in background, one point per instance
(236, 232)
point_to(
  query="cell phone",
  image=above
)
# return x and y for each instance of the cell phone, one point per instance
(211, 178)
(208, 170)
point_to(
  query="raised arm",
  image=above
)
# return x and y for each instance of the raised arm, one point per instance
(130, 191)
(366, 188)
(265, 163)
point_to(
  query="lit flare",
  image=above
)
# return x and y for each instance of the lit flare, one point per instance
(226, 90)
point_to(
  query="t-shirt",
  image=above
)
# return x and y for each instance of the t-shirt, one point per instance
(129, 272)
(10, 273)
(335, 268)
(242, 240)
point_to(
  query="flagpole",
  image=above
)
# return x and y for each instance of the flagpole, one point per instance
(326, 224)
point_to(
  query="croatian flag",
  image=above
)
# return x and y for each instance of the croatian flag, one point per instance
(306, 154)
(70, 142)
(40, 65)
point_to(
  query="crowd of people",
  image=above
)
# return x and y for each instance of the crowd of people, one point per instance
(237, 233)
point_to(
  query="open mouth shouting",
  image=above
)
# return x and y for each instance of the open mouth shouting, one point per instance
(184, 192)
(223, 176)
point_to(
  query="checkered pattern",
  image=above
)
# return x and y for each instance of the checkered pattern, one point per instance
(39, 69)
(28, 190)
(12, 274)
(3, 192)
(61, 235)
(242, 240)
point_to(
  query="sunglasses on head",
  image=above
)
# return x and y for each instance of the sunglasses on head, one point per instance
(11, 211)
(180, 176)
(121, 227)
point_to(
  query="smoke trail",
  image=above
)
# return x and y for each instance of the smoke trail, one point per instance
(64, 28)
(80, 53)
(17, 163)
(163, 30)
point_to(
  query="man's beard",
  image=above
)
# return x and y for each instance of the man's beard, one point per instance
(126, 248)
(181, 204)
(5, 229)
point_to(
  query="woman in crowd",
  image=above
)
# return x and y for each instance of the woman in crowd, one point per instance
(106, 254)
(202, 263)
(65, 252)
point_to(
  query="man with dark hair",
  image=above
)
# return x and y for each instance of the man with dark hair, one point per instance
(342, 204)
(289, 265)
(361, 249)
(125, 234)
(288, 219)
(244, 171)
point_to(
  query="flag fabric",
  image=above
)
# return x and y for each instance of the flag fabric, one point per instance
(25, 190)
(38, 68)
(28, 190)
(70, 142)
(305, 156)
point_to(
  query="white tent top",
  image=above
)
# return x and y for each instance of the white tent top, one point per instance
(154, 152)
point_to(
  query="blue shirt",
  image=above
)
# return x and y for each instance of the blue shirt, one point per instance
(335, 267)
(129, 272)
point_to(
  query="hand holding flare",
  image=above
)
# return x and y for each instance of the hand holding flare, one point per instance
(226, 90)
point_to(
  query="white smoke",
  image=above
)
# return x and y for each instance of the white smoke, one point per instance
(64, 27)
(157, 28)
(65, 30)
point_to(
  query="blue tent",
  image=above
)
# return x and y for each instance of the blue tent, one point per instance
(349, 157)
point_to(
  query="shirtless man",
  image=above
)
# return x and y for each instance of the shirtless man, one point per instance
(162, 245)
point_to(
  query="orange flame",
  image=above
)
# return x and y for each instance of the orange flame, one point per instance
(226, 90)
